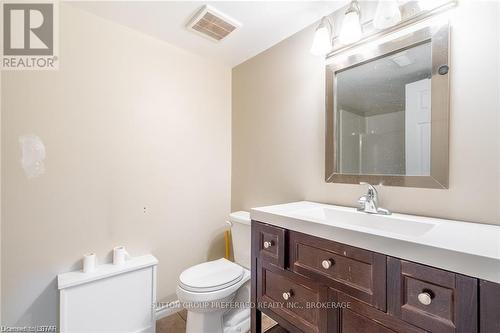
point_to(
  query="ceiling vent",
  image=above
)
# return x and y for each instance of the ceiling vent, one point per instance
(212, 24)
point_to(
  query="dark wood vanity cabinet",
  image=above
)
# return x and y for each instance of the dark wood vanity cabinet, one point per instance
(312, 285)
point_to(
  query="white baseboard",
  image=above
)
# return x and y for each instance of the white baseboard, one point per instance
(167, 309)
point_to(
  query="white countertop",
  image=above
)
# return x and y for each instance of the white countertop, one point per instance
(471, 249)
(75, 278)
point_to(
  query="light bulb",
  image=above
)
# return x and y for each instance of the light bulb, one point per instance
(322, 42)
(351, 28)
(387, 14)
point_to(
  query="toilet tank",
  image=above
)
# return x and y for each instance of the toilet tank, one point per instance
(240, 235)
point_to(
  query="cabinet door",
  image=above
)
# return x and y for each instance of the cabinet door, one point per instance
(435, 300)
(353, 316)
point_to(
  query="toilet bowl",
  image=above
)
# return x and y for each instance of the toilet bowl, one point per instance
(216, 294)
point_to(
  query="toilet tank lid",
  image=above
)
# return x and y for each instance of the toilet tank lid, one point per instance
(240, 217)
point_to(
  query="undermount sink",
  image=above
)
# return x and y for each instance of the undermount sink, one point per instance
(351, 217)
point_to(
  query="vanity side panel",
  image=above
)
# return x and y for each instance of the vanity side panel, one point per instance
(255, 314)
(489, 306)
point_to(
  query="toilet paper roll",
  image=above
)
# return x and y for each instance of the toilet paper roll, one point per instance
(89, 262)
(120, 255)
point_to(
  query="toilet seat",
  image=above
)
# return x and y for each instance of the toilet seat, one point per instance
(211, 296)
(211, 276)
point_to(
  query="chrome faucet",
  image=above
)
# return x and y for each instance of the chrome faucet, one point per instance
(368, 203)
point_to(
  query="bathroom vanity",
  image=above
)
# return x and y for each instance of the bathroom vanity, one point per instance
(323, 268)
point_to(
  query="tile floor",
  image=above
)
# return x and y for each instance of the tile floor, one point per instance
(176, 323)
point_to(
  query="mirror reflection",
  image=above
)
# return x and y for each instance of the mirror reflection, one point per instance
(383, 115)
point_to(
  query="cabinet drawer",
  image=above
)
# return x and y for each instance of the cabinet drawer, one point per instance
(355, 323)
(269, 241)
(357, 317)
(291, 297)
(356, 272)
(430, 298)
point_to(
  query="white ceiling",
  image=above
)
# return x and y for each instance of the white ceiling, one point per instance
(264, 23)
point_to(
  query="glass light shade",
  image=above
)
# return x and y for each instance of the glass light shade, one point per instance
(351, 28)
(322, 42)
(387, 14)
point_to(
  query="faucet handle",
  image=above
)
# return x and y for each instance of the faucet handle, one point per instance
(369, 202)
(372, 191)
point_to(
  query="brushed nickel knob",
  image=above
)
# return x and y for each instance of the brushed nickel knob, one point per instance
(327, 263)
(287, 295)
(425, 298)
(268, 244)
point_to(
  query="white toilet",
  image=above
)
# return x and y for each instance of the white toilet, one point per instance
(205, 290)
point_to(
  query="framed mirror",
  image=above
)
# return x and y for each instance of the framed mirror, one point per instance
(387, 112)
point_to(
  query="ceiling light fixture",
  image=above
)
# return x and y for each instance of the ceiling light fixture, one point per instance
(322, 42)
(387, 14)
(351, 27)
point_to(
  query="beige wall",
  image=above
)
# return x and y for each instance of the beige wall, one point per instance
(498, 120)
(0, 201)
(128, 122)
(278, 127)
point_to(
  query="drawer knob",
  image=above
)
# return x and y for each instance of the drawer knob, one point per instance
(268, 244)
(287, 295)
(327, 263)
(425, 298)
